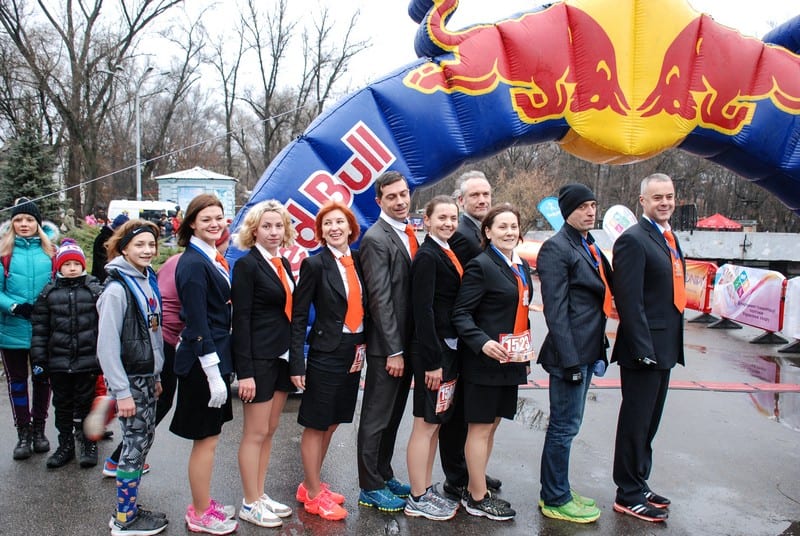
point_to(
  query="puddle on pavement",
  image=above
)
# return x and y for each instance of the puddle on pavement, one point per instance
(783, 407)
(530, 414)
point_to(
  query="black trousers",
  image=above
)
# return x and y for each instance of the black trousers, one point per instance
(644, 392)
(382, 408)
(452, 437)
(72, 399)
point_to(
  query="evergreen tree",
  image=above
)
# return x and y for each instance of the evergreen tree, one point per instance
(26, 170)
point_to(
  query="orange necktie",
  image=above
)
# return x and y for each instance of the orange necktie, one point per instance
(221, 260)
(607, 293)
(355, 309)
(454, 260)
(412, 240)
(287, 308)
(678, 283)
(521, 319)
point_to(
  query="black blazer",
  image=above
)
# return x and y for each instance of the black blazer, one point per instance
(205, 297)
(649, 323)
(387, 273)
(434, 286)
(485, 307)
(572, 294)
(320, 284)
(260, 327)
(466, 241)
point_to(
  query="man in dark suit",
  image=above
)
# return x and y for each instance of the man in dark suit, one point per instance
(650, 297)
(386, 251)
(475, 200)
(574, 276)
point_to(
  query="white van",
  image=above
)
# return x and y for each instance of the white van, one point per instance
(146, 210)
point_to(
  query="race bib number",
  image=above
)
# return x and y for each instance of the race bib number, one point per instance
(444, 397)
(518, 346)
(358, 361)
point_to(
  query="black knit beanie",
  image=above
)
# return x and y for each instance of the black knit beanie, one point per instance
(572, 196)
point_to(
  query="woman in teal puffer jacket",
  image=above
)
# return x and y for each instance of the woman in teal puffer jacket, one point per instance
(26, 251)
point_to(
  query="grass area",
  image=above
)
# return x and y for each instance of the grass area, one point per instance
(85, 235)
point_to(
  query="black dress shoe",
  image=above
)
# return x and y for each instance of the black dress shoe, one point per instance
(642, 511)
(493, 484)
(453, 491)
(657, 500)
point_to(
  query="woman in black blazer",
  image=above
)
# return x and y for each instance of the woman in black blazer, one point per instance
(435, 279)
(335, 287)
(261, 292)
(491, 317)
(203, 360)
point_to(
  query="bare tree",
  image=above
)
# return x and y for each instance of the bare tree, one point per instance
(72, 52)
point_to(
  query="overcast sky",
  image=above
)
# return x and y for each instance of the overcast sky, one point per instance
(391, 31)
(387, 24)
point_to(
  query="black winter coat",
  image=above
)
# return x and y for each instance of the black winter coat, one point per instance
(64, 323)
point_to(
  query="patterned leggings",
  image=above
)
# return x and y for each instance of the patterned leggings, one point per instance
(16, 364)
(138, 431)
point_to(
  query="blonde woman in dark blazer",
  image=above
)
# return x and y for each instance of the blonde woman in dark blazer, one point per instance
(261, 291)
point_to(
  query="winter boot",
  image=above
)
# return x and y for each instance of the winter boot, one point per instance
(64, 453)
(88, 452)
(24, 447)
(40, 442)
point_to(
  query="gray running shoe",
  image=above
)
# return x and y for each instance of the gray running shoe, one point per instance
(430, 507)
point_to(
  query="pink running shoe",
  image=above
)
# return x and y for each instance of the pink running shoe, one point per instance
(104, 409)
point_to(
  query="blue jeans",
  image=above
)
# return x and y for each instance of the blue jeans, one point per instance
(567, 402)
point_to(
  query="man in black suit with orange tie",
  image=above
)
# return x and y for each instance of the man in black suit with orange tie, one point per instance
(475, 200)
(650, 297)
(386, 251)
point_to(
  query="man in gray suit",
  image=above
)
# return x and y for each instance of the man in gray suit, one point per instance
(576, 296)
(386, 251)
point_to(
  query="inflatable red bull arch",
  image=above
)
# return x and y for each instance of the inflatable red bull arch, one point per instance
(612, 81)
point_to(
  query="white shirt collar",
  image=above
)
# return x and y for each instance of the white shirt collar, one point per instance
(444, 245)
(338, 254)
(399, 225)
(660, 227)
(210, 251)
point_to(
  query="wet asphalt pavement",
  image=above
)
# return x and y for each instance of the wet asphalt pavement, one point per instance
(727, 462)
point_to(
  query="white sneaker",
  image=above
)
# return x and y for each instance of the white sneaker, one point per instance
(259, 514)
(279, 509)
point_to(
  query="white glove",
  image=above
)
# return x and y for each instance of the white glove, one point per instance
(216, 385)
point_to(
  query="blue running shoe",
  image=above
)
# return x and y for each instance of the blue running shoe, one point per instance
(398, 488)
(382, 499)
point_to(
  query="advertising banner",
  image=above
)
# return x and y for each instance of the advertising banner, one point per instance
(750, 296)
(791, 313)
(699, 282)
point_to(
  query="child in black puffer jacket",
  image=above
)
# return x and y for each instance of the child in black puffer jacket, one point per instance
(64, 345)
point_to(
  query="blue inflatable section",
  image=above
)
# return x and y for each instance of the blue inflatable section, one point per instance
(426, 135)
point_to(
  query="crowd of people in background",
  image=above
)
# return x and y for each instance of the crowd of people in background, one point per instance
(451, 313)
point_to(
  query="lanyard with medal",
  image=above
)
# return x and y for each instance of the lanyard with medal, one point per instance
(152, 315)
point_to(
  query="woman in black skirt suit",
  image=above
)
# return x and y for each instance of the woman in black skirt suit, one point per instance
(203, 362)
(491, 317)
(331, 281)
(261, 292)
(435, 279)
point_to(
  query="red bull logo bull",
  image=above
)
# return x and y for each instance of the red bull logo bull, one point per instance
(538, 58)
(714, 76)
(626, 95)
